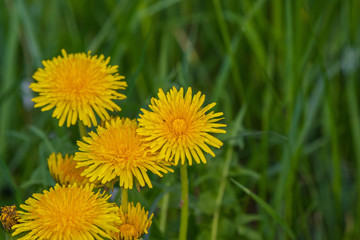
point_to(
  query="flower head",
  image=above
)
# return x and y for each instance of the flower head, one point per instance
(134, 223)
(67, 212)
(77, 85)
(64, 171)
(9, 217)
(116, 150)
(179, 127)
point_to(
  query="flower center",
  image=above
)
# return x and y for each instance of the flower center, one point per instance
(127, 230)
(67, 219)
(120, 145)
(179, 126)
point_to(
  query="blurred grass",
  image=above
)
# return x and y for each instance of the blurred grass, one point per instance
(293, 64)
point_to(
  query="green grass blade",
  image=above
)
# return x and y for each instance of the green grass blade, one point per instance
(28, 25)
(267, 208)
(107, 27)
(353, 109)
(237, 125)
(227, 40)
(40, 133)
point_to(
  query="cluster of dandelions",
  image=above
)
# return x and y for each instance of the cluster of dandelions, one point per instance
(81, 88)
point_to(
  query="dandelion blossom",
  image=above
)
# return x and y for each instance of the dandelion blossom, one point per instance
(117, 151)
(64, 171)
(9, 217)
(179, 126)
(78, 86)
(134, 223)
(67, 212)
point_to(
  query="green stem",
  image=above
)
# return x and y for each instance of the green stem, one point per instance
(124, 199)
(184, 201)
(82, 129)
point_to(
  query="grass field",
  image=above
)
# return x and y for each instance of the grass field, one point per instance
(285, 74)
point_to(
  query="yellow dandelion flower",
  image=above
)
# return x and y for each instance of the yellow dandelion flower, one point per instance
(9, 217)
(134, 223)
(116, 150)
(179, 127)
(67, 212)
(64, 171)
(77, 85)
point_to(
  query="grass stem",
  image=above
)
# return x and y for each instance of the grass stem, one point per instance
(215, 221)
(164, 209)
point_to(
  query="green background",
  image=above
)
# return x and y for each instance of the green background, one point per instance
(285, 74)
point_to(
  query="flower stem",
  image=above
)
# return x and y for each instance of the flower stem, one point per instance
(82, 129)
(184, 201)
(124, 199)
